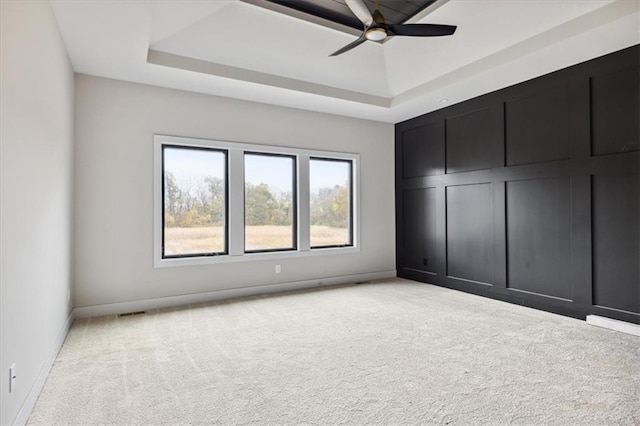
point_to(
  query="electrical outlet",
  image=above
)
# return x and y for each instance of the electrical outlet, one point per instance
(278, 269)
(12, 377)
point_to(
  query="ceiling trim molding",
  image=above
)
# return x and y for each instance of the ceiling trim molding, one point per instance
(171, 60)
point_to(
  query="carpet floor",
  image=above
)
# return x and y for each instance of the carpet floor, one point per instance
(392, 351)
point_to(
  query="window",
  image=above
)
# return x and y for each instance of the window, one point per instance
(330, 182)
(194, 201)
(220, 201)
(269, 202)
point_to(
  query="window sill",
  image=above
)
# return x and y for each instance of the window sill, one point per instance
(252, 257)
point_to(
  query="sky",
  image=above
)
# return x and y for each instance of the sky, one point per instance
(191, 166)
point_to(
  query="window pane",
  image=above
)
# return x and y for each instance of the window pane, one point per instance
(269, 202)
(194, 203)
(331, 204)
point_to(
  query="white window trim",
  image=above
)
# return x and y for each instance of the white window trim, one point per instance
(236, 201)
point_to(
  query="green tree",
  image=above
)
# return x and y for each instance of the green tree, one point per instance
(284, 212)
(261, 206)
(186, 207)
(340, 206)
(330, 207)
(172, 199)
(216, 199)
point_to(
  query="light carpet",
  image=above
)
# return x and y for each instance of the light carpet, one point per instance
(393, 351)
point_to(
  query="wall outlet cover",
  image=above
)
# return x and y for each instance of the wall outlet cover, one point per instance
(12, 377)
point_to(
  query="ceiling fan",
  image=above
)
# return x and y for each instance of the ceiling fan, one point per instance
(375, 28)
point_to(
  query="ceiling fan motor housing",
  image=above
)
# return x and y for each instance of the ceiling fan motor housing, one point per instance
(377, 17)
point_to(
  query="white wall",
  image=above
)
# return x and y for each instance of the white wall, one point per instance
(115, 123)
(36, 172)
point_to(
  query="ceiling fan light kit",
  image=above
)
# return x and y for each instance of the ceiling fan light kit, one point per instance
(375, 34)
(375, 28)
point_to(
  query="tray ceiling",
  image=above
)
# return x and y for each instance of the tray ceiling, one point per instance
(237, 49)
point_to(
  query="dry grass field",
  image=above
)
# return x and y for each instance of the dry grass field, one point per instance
(211, 239)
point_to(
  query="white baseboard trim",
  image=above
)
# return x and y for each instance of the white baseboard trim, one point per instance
(188, 299)
(34, 393)
(612, 324)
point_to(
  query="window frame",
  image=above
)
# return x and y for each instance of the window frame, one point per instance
(226, 201)
(235, 202)
(351, 207)
(294, 202)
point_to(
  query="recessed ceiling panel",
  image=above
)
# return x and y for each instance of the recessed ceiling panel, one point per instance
(394, 11)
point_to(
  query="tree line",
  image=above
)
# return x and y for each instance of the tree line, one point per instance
(188, 207)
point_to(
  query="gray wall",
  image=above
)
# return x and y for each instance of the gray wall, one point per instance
(36, 170)
(115, 123)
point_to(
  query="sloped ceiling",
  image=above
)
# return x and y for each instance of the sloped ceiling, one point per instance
(237, 49)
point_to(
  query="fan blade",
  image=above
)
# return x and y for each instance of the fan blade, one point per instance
(421, 30)
(361, 12)
(350, 46)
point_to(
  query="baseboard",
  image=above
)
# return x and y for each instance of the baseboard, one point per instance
(34, 393)
(187, 299)
(612, 324)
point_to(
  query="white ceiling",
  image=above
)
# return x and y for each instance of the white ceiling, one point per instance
(236, 49)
